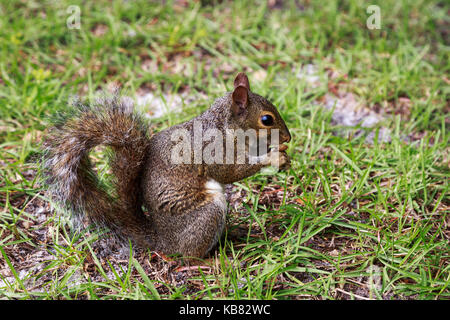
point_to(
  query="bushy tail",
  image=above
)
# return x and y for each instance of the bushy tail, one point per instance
(110, 122)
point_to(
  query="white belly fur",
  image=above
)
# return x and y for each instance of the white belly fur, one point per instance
(215, 189)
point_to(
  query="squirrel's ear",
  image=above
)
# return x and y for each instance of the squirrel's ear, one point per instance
(241, 80)
(240, 100)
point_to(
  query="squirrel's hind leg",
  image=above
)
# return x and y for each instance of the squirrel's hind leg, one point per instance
(204, 224)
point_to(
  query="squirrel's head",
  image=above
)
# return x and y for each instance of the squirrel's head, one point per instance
(251, 111)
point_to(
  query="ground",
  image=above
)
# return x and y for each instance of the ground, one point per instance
(362, 214)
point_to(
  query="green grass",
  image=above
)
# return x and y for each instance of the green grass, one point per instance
(349, 220)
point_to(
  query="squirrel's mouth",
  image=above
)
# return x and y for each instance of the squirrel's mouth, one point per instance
(282, 147)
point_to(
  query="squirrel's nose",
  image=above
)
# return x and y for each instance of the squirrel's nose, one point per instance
(286, 137)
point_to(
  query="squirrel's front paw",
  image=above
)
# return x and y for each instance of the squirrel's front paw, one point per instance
(284, 161)
(279, 159)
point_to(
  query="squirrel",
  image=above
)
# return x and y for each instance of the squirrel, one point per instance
(185, 201)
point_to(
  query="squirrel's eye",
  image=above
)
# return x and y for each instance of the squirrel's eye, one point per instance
(267, 120)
